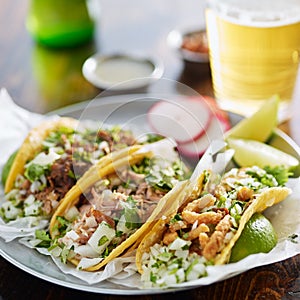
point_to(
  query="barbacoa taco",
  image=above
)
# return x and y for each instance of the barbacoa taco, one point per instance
(110, 209)
(52, 158)
(202, 230)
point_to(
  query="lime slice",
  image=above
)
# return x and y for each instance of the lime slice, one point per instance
(260, 125)
(258, 236)
(250, 153)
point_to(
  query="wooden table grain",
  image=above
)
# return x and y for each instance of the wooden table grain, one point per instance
(41, 79)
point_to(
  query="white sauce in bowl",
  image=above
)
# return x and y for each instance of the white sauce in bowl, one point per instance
(120, 71)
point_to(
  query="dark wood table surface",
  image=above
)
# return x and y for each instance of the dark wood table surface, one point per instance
(41, 79)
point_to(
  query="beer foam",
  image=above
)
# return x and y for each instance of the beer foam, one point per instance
(261, 13)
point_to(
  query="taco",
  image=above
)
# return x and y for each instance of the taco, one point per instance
(52, 158)
(202, 230)
(110, 209)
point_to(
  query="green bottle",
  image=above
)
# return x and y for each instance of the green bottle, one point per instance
(60, 23)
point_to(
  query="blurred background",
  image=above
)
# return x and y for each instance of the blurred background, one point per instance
(43, 78)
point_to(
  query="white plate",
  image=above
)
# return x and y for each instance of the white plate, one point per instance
(130, 109)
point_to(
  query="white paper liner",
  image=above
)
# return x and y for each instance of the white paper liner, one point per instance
(122, 271)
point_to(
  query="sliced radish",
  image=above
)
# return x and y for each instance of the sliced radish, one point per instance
(195, 149)
(184, 120)
(211, 102)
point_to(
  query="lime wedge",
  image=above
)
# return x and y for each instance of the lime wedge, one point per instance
(258, 236)
(260, 125)
(250, 153)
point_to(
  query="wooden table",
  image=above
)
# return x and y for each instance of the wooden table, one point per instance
(41, 80)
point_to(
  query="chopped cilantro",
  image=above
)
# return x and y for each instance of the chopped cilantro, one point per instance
(185, 247)
(65, 253)
(190, 267)
(55, 137)
(119, 233)
(44, 237)
(106, 252)
(61, 226)
(131, 215)
(185, 235)
(221, 201)
(82, 156)
(281, 173)
(71, 174)
(153, 277)
(34, 171)
(151, 137)
(293, 238)
(176, 218)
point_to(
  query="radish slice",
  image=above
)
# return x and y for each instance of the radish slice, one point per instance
(184, 120)
(195, 149)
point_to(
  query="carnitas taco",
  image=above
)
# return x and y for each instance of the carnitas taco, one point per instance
(109, 210)
(52, 158)
(203, 229)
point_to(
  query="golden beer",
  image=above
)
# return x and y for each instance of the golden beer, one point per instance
(253, 60)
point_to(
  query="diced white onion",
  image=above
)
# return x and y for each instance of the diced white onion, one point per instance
(54, 203)
(88, 262)
(72, 235)
(56, 251)
(154, 251)
(121, 226)
(178, 244)
(43, 179)
(86, 251)
(44, 159)
(35, 186)
(180, 275)
(103, 230)
(29, 200)
(200, 268)
(32, 209)
(12, 194)
(72, 213)
(195, 225)
(91, 222)
(192, 275)
(170, 279)
(182, 253)
(228, 236)
(103, 145)
(10, 211)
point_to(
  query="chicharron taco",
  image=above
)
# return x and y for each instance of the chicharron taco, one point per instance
(202, 229)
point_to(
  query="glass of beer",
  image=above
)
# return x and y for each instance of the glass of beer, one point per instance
(254, 52)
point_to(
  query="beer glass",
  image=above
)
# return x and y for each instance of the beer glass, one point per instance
(254, 52)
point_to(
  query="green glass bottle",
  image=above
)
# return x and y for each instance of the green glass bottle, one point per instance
(60, 23)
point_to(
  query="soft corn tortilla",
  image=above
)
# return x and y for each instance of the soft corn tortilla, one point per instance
(162, 208)
(105, 167)
(264, 200)
(191, 192)
(32, 144)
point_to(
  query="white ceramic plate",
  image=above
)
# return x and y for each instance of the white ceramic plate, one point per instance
(130, 109)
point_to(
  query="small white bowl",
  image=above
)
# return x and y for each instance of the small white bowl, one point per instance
(121, 71)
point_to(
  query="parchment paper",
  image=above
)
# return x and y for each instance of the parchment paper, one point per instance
(285, 217)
